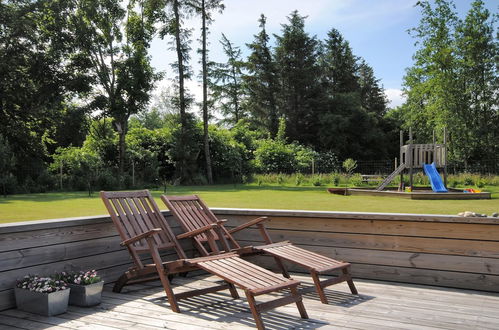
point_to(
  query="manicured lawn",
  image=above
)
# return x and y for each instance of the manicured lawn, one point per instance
(76, 204)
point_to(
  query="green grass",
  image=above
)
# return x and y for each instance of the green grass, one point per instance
(76, 204)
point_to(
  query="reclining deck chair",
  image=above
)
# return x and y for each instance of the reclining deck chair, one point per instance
(192, 214)
(144, 229)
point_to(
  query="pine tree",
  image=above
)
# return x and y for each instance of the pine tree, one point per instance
(352, 123)
(261, 82)
(227, 83)
(372, 96)
(339, 65)
(300, 94)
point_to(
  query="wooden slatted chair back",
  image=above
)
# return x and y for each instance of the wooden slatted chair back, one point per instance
(134, 213)
(192, 213)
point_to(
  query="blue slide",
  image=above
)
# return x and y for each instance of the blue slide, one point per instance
(436, 181)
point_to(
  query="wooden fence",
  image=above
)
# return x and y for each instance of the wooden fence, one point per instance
(423, 249)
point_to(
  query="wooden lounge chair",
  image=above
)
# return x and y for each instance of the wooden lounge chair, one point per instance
(144, 230)
(192, 213)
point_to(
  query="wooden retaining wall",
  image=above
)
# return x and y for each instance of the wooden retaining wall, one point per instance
(49, 246)
(423, 249)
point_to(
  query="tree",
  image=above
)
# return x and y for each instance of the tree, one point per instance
(205, 8)
(227, 83)
(261, 82)
(174, 26)
(7, 163)
(477, 53)
(453, 82)
(430, 84)
(117, 59)
(352, 122)
(372, 96)
(37, 76)
(339, 65)
(300, 93)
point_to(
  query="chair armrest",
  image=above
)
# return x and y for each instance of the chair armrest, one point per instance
(140, 236)
(249, 224)
(197, 231)
(221, 221)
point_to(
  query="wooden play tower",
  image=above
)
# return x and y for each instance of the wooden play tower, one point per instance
(414, 156)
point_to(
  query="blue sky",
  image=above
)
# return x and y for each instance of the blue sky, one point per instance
(376, 30)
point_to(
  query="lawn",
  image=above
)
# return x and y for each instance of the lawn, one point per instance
(76, 204)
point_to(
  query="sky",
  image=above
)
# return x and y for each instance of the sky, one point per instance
(375, 29)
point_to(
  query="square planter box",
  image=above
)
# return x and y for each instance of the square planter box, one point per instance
(47, 304)
(85, 295)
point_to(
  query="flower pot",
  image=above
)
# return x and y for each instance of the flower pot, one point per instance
(85, 295)
(47, 304)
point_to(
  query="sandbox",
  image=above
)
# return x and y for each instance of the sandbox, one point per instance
(417, 193)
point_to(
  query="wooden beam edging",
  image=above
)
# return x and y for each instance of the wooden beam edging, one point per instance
(356, 215)
(75, 221)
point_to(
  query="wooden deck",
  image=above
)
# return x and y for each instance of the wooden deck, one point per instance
(381, 305)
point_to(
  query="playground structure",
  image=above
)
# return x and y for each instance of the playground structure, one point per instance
(420, 156)
(414, 157)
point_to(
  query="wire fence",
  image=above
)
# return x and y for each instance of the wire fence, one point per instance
(385, 167)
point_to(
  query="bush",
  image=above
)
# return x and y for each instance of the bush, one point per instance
(298, 179)
(317, 181)
(349, 165)
(275, 157)
(327, 162)
(335, 178)
(356, 180)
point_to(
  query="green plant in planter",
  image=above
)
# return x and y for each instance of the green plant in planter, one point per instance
(80, 278)
(86, 287)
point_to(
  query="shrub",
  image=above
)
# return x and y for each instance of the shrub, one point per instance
(327, 162)
(335, 178)
(275, 157)
(356, 180)
(467, 180)
(317, 180)
(298, 179)
(349, 165)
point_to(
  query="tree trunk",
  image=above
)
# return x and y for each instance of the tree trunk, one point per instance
(178, 44)
(122, 128)
(209, 174)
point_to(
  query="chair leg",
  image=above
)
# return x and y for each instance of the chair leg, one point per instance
(281, 266)
(120, 283)
(163, 278)
(299, 304)
(233, 291)
(169, 292)
(352, 287)
(254, 310)
(318, 287)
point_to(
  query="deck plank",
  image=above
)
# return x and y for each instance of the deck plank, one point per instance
(380, 305)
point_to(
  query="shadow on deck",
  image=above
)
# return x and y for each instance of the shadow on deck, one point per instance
(380, 305)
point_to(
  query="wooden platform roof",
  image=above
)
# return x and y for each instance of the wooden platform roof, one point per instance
(381, 305)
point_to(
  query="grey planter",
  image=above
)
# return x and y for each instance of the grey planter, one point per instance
(47, 304)
(85, 295)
